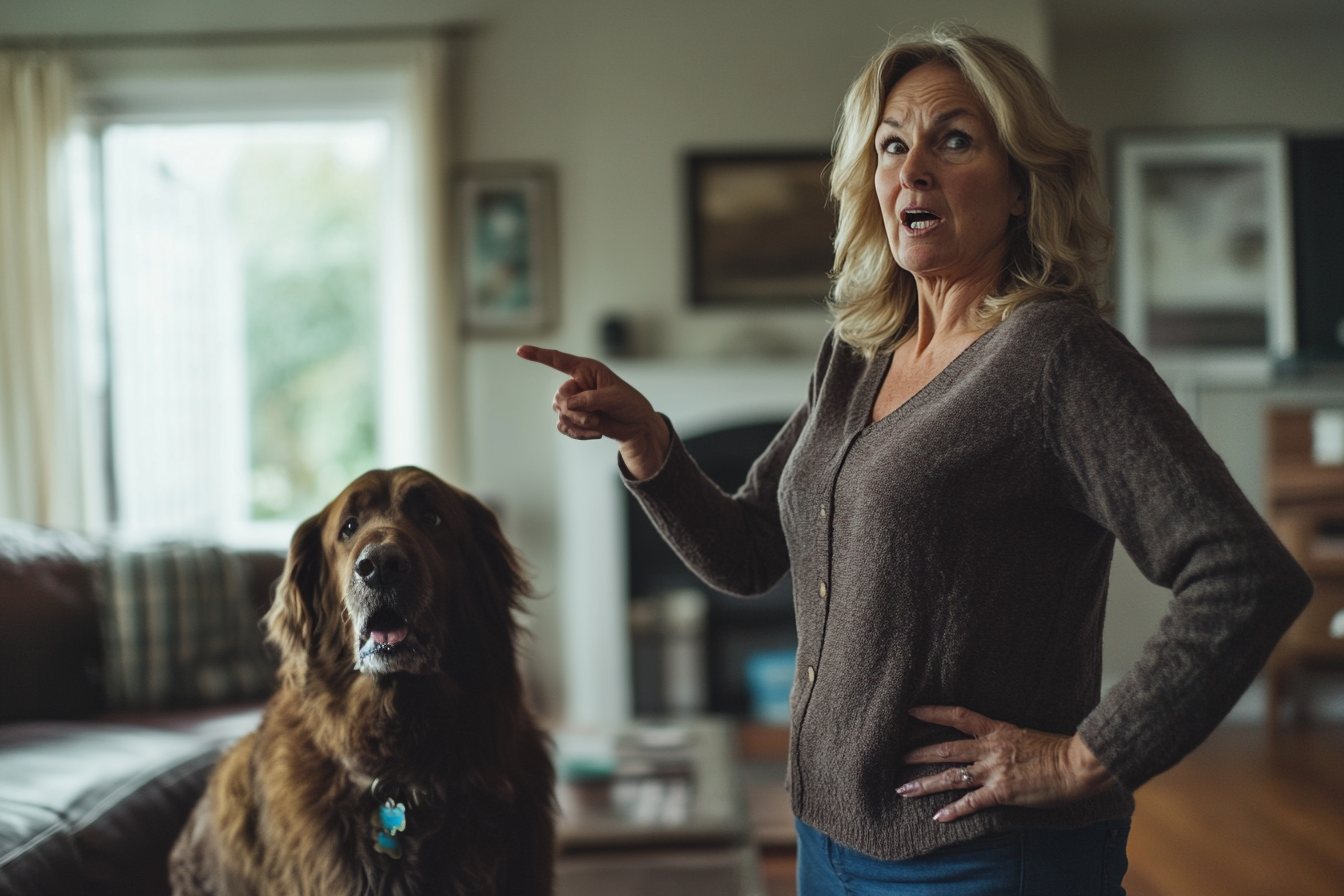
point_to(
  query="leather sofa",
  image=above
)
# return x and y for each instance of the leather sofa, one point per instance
(96, 780)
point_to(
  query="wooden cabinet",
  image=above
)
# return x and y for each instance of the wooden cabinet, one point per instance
(1305, 504)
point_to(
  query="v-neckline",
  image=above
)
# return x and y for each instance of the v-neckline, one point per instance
(921, 395)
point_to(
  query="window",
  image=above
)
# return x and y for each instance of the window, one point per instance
(248, 276)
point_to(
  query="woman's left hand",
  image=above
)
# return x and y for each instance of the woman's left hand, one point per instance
(1003, 765)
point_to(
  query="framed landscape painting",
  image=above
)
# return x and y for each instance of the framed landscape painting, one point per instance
(760, 229)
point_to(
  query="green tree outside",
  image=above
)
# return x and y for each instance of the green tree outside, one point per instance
(307, 222)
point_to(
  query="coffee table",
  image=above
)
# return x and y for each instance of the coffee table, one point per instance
(651, 808)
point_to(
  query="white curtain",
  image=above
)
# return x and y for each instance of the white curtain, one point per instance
(39, 407)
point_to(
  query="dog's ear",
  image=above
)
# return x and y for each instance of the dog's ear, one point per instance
(498, 579)
(296, 611)
(497, 575)
(501, 569)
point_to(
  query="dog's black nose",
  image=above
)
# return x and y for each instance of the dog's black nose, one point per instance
(382, 565)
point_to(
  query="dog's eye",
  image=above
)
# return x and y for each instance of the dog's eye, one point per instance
(349, 527)
(431, 518)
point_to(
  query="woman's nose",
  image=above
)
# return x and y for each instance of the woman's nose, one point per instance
(917, 169)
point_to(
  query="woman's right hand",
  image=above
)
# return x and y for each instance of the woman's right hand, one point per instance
(594, 402)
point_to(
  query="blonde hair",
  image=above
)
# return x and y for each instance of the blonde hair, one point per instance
(1057, 248)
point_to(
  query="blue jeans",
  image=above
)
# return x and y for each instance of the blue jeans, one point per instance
(1087, 861)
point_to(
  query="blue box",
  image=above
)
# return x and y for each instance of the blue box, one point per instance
(769, 680)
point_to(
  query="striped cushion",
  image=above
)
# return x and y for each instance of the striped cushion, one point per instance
(180, 630)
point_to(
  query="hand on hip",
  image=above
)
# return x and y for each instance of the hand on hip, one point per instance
(1003, 765)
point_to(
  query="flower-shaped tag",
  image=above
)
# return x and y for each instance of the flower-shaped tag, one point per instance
(392, 816)
(392, 820)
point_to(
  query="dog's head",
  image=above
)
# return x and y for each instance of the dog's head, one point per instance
(402, 573)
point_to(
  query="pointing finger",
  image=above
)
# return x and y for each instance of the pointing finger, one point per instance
(556, 360)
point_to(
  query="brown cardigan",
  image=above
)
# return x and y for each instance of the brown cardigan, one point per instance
(958, 552)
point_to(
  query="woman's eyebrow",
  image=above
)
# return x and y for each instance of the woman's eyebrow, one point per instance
(940, 118)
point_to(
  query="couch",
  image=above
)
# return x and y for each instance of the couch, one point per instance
(124, 673)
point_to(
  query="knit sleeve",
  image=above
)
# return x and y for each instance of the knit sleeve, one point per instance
(735, 543)
(1129, 457)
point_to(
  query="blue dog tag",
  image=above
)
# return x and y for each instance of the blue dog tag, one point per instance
(392, 820)
(393, 817)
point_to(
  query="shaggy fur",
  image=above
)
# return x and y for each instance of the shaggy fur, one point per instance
(395, 630)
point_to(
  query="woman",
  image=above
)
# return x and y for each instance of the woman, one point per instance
(974, 440)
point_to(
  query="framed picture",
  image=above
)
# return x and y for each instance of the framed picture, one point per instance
(506, 247)
(760, 229)
(1205, 258)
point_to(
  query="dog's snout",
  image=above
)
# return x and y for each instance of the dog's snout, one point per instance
(382, 565)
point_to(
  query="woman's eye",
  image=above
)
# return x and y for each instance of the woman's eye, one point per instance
(349, 526)
(892, 146)
(958, 140)
(432, 519)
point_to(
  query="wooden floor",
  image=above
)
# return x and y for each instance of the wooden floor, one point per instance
(1244, 815)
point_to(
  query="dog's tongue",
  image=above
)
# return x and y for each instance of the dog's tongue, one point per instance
(395, 636)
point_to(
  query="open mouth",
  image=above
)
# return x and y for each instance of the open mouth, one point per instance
(385, 634)
(919, 219)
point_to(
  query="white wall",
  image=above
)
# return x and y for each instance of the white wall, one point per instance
(1282, 74)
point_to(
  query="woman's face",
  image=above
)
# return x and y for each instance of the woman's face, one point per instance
(943, 180)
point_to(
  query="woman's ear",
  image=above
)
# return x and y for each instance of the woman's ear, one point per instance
(294, 617)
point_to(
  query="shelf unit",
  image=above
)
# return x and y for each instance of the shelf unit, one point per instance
(1304, 502)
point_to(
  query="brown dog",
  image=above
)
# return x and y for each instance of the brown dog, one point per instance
(397, 756)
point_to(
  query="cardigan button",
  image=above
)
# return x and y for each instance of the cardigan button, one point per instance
(822, 589)
(811, 673)
(823, 513)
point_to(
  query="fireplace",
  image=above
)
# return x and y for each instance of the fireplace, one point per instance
(722, 412)
(690, 643)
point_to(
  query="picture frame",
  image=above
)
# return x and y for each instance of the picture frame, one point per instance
(506, 247)
(1204, 243)
(760, 228)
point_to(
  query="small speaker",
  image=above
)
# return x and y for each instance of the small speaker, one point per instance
(1318, 223)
